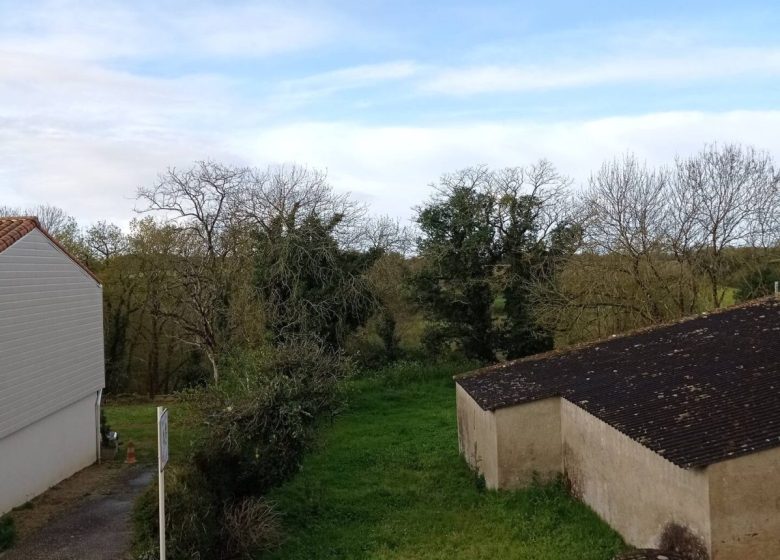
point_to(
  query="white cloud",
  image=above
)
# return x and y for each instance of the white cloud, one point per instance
(92, 176)
(392, 166)
(80, 133)
(673, 68)
(49, 91)
(293, 94)
(354, 77)
(83, 137)
(109, 29)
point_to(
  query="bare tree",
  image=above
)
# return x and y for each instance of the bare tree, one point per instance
(226, 218)
(201, 200)
(283, 196)
(105, 240)
(307, 238)
(61, 225)
(731, 193)
(388, 235)
(662, 243)
(201, 203)
(541, 183)
(626, 206)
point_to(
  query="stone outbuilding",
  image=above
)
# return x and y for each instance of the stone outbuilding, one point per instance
(672, 427)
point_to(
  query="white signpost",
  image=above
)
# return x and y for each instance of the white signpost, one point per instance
(162, 454)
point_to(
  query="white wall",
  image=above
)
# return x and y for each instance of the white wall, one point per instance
(42, 454)
(51, 332)
(51, 367)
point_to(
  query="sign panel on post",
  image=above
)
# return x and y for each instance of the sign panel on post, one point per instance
(162, 458)
(163, 430)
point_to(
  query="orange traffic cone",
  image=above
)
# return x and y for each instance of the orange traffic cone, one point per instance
(130, 453)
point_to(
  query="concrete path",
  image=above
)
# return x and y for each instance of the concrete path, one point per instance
(95, 528)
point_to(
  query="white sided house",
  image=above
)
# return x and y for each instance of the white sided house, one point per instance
(51, 362)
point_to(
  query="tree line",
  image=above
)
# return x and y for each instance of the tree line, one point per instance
(498, 264)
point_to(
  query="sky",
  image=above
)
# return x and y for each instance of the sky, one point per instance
(97, 98)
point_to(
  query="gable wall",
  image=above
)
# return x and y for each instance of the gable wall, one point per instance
(635, 490)
(528, 440)
(512, 445)
(51, 333)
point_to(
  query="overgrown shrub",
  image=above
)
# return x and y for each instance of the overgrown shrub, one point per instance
(192, 524)
(680, 540)
(262, 416)
(756, 282)
(407, 372)
(375, 344)
(258, 423)
(366, 349)
(250, 526)
(386, 329)
(7, 532)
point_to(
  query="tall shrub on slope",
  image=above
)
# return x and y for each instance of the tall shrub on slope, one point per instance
(256, 425)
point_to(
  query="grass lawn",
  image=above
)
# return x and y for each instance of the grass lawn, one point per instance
(138, 423)
(387, 482)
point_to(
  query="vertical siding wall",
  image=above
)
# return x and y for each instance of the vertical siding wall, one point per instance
(632, 488)
(51, 334)
(745, 507)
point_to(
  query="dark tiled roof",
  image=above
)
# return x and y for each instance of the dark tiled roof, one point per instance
(12, 229)
(696, 392)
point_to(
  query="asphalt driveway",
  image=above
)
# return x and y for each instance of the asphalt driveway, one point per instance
(95, 527)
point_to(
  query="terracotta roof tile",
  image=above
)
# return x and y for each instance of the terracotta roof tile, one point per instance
(13, 228)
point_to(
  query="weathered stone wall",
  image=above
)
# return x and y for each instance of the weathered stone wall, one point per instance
(632, 488)
(745, 507)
